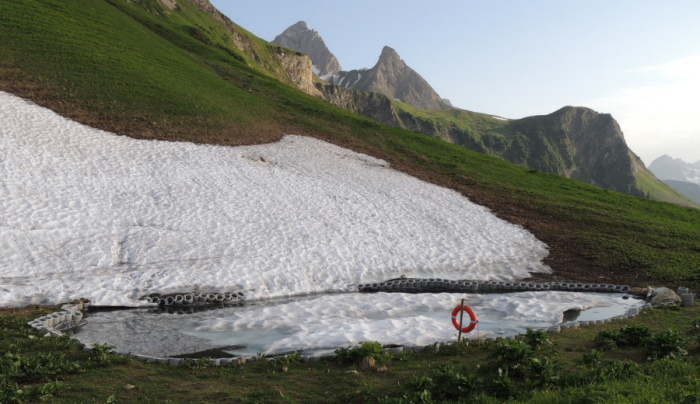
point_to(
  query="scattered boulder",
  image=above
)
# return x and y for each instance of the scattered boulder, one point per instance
(662, 297)
(368, 363)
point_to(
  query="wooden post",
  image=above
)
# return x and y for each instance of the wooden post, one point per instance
(461, 315)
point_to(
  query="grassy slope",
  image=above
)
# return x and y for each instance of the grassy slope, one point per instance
(173, 76)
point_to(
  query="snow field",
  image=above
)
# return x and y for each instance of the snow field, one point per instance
(87, 213)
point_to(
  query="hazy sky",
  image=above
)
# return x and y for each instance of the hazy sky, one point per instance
(638, 60)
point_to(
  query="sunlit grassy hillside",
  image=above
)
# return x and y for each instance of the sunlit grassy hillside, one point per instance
(139, 69)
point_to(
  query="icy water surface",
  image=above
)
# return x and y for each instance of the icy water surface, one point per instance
(320, 324)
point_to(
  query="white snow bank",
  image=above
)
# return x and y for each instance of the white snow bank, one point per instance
(85, 213)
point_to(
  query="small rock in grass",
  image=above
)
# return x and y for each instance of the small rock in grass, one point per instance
(368, 363)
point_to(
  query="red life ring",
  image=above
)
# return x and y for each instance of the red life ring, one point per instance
(472, 317)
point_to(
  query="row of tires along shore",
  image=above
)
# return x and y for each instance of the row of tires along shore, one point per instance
(196, 299)
(433, 285)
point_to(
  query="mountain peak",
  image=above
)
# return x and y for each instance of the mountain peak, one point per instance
(388, 52)
(299, 25)
(300, 38)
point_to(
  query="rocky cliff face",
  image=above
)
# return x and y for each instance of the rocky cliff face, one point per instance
(300, 71)
(576, 142)
(584, 145)
(392, 77)
(372, 105)
(290, 67)
(302, 39)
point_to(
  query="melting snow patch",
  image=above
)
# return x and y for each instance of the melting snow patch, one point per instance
(86, 213)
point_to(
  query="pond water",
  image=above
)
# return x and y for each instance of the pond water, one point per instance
(317, 325)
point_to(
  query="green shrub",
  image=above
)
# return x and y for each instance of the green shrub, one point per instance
(600, 371)
(355, 355)
(537, 339)
(591, 359)
(512, 356)
(199, 364)
(36, 368)
(633, 335)
(669, 343)
(695, 329)
(447, 382)
(541, 372)
(626, 336)
(102, 354)
(607, 339)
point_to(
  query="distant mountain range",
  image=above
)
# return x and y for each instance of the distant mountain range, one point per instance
(683, 177)
(575, 142)
(668, 168)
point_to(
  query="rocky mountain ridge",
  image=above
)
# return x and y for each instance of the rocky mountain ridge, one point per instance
(576, 142)
(392, 77)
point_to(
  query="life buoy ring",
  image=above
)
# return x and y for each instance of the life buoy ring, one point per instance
(472, 318)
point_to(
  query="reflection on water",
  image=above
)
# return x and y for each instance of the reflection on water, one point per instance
(571, 315)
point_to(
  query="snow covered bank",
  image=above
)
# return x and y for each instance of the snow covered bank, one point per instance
(85, 213)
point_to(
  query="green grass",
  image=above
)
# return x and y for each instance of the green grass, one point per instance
(541, 368)
(137, 69)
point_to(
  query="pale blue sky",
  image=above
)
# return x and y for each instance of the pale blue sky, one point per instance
(636, 59)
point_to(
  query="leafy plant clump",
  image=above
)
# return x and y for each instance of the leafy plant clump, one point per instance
(27, 377)
(695, 329)
(663, 344)
(537, 339)
(355, 355)
(669, 343)
(626, 336)
(446, 382)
